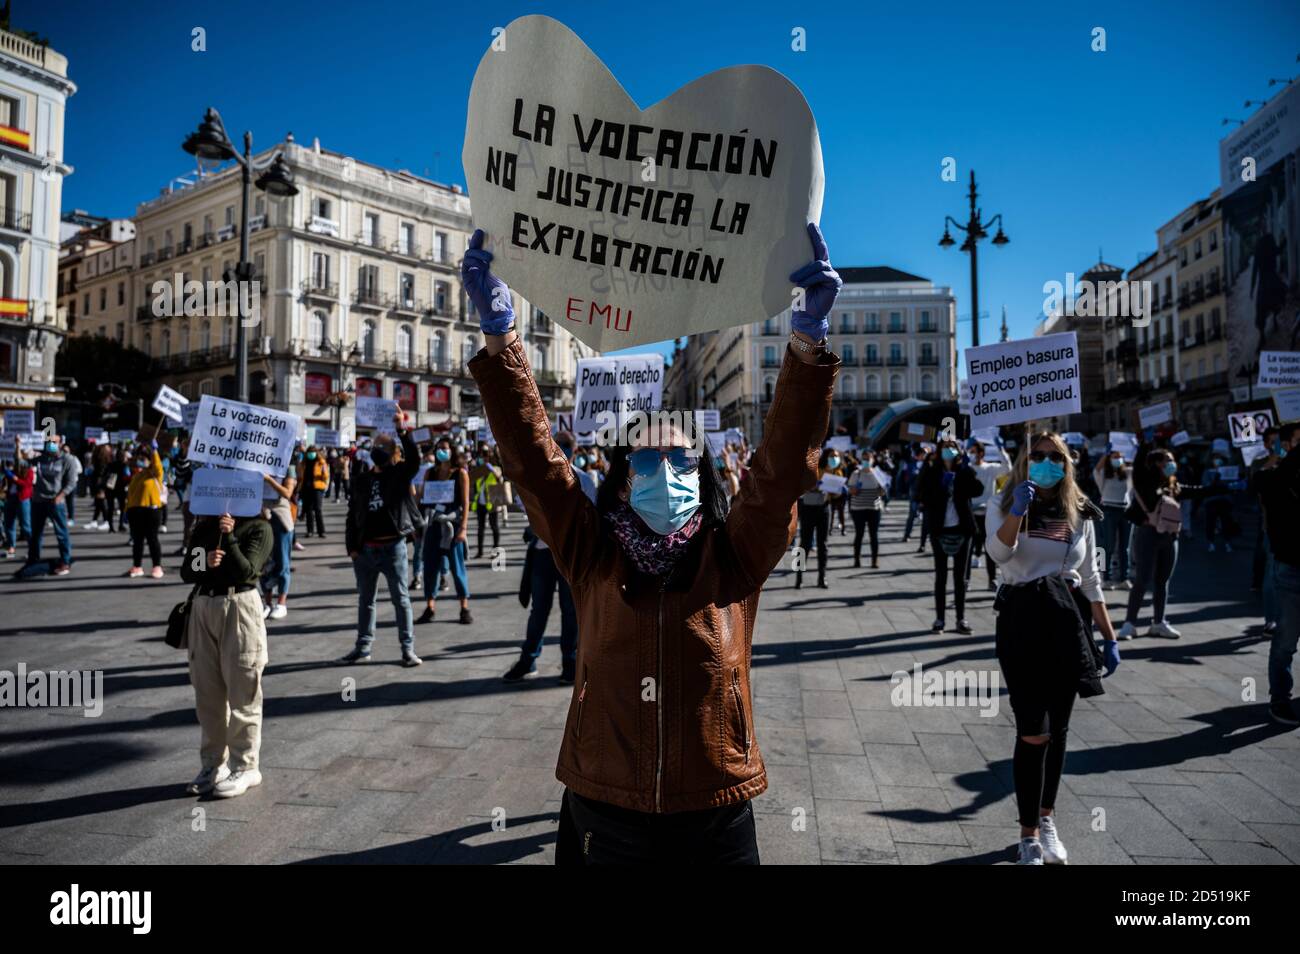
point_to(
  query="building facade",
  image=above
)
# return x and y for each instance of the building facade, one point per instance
(96, 289)
(357, 293)
(34, 88)
(1205, 395)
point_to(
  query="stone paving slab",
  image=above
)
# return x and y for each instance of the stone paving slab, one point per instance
(447, 764)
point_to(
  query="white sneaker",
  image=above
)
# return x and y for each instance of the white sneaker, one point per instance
(208, 779)
(1164, 629)
(279, 611)
(1127, 631)
(237, 783)
(266, 611)
(1030, 852)
(1054, 852)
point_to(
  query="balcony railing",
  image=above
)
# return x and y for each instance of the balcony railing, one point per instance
(771, 363)
(1212, 288)
(897, 329)
(319, 288)
(371, 240)
(443, 257)
(871, 330)
(928, 361)
(872, 361)
(928, 329)
(207, 238)
(409, 306)
(1207, 382)
(16, 221)
(1215, 333)
(897, 362)
(440, 365)
(1198, 294)
(437, 312)
(165, 253)
(406, 249)
(370, 298)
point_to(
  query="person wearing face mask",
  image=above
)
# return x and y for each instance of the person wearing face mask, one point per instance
(948, 487)
(19, 479)
(382, 516)
(814, 521)
(277, 508)
(989, 473)
(658, 755)
(1040, 531)
(313, 483)
(866, 504)
(1113, 478)
(1259, 571)
(446, 535)
(485, 484)
(837, 464)
(1157, 511)
(1278, 487)
(55, 479)
(544, 580)
(1217, 506)
(143, 503)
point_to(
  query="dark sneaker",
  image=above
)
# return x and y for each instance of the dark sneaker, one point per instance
(410, 659)
(964, 627)
(425, 617)
(356, 656)
(568, 671)
(465, 616)
(936, 626)
(1283, 714)
(524, 667)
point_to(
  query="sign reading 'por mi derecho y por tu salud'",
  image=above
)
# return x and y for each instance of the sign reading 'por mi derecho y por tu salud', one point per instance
(1016, 381)
(630, 225)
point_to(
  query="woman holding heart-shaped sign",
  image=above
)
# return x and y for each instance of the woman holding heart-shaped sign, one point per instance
(658, 755)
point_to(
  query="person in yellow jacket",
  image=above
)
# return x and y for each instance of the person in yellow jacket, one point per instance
(143, 505)
(313, 481)
(484, 477)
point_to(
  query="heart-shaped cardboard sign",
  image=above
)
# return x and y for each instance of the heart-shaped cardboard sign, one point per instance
(627, 225)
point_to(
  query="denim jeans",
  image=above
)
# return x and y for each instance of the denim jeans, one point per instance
(912, 509)
(43, 510)
(1286, 584)
(438, 562)
(1156, 555)
(1270, 590)
(544, 581)
(278, 569)
(20, 512)
(1114, 541)
(388, 559)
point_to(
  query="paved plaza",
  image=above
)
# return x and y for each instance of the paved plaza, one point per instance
(446, 764)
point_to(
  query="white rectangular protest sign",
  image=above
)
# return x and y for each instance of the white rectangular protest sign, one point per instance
(1287, 402)
(1247, 427)
(831, 484)
(610, 390)
(189, 414)
(1016, 381)
(376, 412)
(20, 422)
(1125, 443)
(325, 437)
(1252, 452)
(95, 435)
(219, 490)
(439, 492)
(1155, 414)
(716, 441)
(473, 422)
(1179, 439)
(169, 403)
(708, 419)
(422, 435)
(690, 214)
(1278, 369)
(840, 442)
(123, 437)
(244, 436)
(1229, 472)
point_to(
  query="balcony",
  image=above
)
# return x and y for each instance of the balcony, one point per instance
(1215, 333)
(848, 329)
(207, 238)
(436, 312)
(184, 246)
(440, 365)
(371, 240)
(409, 306)
(147, 259)
(928, 328)
(1207, 382)
(320, 288)
(165, 253)
(928, 361)
(771, 363)
(323, 226)
(442, 257)
(897, 329)
(406, 249)
(871, 330)
(1168, 339)
(371, 298)
(1198, 294)
(1213, 287)
(544, 328)
(770, 332)
(1184, 300)
(897, 362)
(872, 361)
(15, 220)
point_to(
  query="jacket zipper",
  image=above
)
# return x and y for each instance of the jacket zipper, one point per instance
(740, 707)
(582, 695)
(659, 706)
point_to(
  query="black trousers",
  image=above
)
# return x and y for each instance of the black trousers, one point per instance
(597, 833)
(311, 498)
(144, 529)
(485, 517)
(868, 520)
(814, 520)
(960, 559)
(977, 549)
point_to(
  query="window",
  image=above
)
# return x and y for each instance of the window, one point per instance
(927, 323)
(368, 340)
(438, 350)
(405, 346)
(895, 386)
(230, 215)
(873, 354)
(440, 246)
(873, 387)
(166, 348)
(368, 281)
(226, 333)
(207, 226)
(121, 293)
(541, 358)
(1214, 239)
(927, 353)
(85, 303)
(1182, 255)
(185, 338)
(103, 299)
(406, 286)
(121, 332)
(470, 349)
(320, 270)
(873, 321)
(406, 239)
(370, 229)
(928, 390)
(205, 336)
(317, 330)
(187, 389)
(895, 353)
(320, 207)
(848, 386)
(847, 354)
(441, 297)
(769, 356)
(1196, 251)
(896, 321)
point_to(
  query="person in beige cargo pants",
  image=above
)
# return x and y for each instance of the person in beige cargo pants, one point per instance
(226, 641)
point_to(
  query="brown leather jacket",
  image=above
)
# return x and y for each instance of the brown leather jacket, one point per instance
(661, 718)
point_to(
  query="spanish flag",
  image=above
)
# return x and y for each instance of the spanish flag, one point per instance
(12, 306)
(18, 138)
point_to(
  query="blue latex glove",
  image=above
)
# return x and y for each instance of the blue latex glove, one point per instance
(1022, 497)
(821, 284)
(1110, 656)
(489, 294)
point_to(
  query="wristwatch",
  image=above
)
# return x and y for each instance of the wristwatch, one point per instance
(800, 345)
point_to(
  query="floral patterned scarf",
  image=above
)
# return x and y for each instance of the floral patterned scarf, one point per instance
(652, 553)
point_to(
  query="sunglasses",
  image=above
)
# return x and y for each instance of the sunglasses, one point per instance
(646, 460)
(1056, 457)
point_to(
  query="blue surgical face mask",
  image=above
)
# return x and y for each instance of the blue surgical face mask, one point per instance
(949, 453)
(51, 447)
(1170, 469)
(1046, 473)
(579, 462)
(442, 454)
(665, 499)
(832, 462)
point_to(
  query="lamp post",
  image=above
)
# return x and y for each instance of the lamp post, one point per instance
(975, 230)
(210, 142)
(345, 354)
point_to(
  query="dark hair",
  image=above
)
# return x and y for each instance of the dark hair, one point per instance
(713, 498)
(1288, 431)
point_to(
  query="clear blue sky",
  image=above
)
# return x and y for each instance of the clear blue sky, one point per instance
(1078, 150)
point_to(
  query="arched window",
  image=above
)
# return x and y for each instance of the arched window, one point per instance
(205, 336)
(318, 330)
(226, 329)
(405, 345)
(541, 357)
(848, 386)
(470, 349)
(185, 339)
(927, 387)
(873, 386)
(166, 343)
(895, 386)
(368, 340)
(769, 386)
